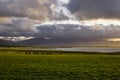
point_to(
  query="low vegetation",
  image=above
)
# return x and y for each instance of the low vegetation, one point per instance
(15, 65)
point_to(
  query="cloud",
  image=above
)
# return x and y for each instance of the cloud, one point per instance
(19, 38)
(17, 27)
(18, 18)
(26, 27)
(94, 9)
(80, 32)
(35, 9)
(114, 40)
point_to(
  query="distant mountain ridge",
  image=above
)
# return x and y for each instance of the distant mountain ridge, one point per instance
(48, 42)
(4, 43)
(66, 42)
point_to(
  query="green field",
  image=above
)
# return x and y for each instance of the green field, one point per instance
(19, 66)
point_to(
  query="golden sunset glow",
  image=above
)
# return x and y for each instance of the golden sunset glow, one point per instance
(114, 40)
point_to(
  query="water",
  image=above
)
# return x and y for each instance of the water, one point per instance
(90, 49)
(84, 49)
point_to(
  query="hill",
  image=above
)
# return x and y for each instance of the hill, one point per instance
(67, 42)
(6, 43)
(49, 42)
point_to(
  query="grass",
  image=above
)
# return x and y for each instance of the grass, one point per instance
(19, 66)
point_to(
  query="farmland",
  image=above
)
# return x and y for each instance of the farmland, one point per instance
(20, 66)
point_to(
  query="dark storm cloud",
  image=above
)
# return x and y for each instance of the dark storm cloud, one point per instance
(36, 9)
(18, 27)
(92, 9)
(79, 32)
(59, 31)
(18, 17)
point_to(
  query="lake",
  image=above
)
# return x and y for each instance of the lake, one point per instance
(83, 49)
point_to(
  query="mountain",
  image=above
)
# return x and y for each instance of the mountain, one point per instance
(66, 42)
(48, 42)
(7, 43)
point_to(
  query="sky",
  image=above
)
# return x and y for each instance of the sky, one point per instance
(90, 20)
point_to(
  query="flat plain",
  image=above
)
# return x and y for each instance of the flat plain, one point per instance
(20, 66)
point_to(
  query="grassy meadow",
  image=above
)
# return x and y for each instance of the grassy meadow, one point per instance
(20, 66)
